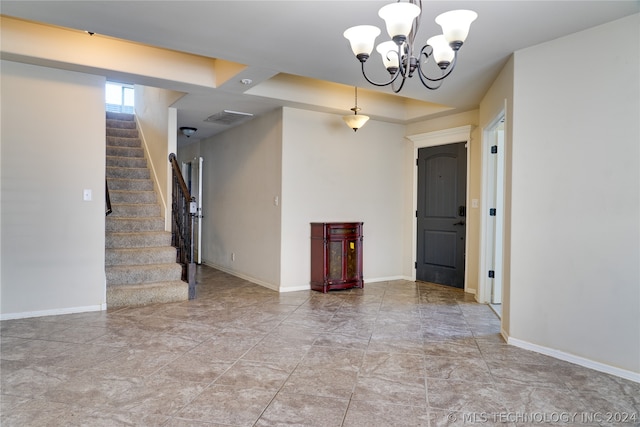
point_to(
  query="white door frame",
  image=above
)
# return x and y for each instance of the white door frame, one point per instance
(200, 215)
(492, 228)
(432, 139)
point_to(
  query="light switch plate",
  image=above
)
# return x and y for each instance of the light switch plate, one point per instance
(86, 195)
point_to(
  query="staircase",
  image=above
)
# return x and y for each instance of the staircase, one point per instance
(140, 262)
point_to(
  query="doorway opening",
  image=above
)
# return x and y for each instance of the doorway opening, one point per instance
(492, 235)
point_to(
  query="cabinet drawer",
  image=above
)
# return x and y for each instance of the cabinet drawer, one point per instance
(343, 231)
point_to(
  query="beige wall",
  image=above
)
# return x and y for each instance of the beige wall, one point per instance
(330, 173)
(157, 126)
(241, 176)
(575, 203)
(53, 147)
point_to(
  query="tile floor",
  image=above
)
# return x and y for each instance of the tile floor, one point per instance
(394, 354)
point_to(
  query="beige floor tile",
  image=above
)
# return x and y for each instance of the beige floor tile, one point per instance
(396, 353)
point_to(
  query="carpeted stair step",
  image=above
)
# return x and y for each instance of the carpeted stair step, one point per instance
(126, 184)
(131, 173)
(123, 133)
(120, 116)
(135, 210)
(143, 239)
(114, 150)
(121, 124)
(140, 256)
(122, 141)
(122, 196)
(134, 274)
(147, 293)
(133, 224)
(126, 162)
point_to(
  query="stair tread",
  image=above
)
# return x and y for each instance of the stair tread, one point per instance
(166, 265)
(142, 249)
(148, 285)
(133, 204)
(136, 218)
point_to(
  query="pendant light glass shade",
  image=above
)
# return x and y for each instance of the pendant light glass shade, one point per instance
(355, 121)
(455, 24)
(399, 18)
(362, 38)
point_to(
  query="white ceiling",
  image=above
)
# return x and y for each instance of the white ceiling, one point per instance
(304, 38)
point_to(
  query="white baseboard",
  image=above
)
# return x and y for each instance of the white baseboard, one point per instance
(567, 357)
(53, 312)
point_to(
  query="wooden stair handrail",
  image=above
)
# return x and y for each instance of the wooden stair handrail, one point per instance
(108, 209)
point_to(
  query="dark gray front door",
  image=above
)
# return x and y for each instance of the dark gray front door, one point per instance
(442, 188)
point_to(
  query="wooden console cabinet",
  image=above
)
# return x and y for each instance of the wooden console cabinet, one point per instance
(336, 255)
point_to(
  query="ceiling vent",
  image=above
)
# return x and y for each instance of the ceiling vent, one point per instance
(228, 117)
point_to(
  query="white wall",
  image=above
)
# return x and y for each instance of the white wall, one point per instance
(575, 241)
(53, 147)
(330, 173)
(241, 176)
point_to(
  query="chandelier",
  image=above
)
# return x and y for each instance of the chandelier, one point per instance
(399, 55)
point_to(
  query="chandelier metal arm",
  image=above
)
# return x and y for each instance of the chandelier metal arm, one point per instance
(424, 77)
(404, 79)
(393, 78)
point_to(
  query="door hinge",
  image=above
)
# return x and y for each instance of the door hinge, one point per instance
(494, 149)
(492, 274)
(415, 265)
(492, 212)
(416, 214)
(417, 162)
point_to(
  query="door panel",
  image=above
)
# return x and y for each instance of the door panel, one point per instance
(441, 213)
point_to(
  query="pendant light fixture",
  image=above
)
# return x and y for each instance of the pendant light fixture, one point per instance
(399, 55)
(355, 121)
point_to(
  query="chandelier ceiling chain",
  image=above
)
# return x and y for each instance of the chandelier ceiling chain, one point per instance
(399, 54)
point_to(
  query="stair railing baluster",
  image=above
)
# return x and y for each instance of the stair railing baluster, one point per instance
(107, 208)
(182, 225)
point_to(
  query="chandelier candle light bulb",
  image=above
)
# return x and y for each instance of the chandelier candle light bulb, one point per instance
(399, 55)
